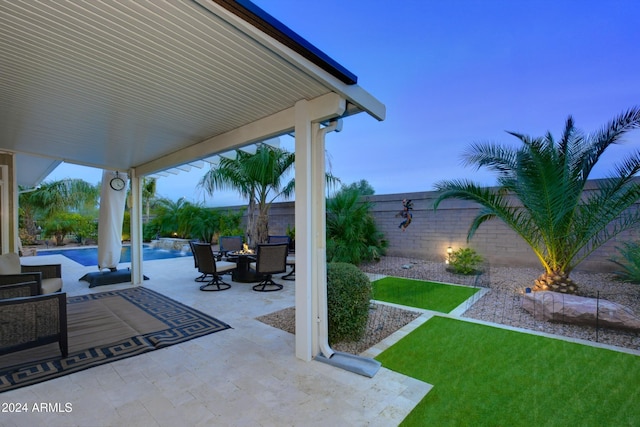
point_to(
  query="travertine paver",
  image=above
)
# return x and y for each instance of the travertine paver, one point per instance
(247, 375)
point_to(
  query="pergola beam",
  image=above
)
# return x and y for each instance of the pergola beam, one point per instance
(320, 109)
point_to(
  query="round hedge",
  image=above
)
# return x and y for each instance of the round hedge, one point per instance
(348, 299)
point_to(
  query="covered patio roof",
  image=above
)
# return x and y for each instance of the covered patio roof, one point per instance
(148, 86)
(152, 85)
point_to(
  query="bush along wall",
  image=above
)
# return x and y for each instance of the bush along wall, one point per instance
(348, 298)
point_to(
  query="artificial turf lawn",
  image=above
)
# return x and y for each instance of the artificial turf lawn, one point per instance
(421, 294)
(487, 376)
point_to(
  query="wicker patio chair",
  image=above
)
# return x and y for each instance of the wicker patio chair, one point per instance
(49, 276)
(19, 290)
(27, 322)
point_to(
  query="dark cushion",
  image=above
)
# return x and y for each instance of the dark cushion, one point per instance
(100, 278)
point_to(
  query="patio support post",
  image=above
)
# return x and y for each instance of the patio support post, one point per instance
(135, 206)
(305, 328)
(311, 275)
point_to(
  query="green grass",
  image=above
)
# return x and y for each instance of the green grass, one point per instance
(487, 376)
(421, 294)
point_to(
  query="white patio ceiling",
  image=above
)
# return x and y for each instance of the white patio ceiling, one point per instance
(148, 84)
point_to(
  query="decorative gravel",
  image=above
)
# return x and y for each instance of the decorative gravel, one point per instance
(506, 285)
(383, 321)
(501, 304)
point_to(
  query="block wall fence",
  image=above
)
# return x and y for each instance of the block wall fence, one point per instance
(432, 232)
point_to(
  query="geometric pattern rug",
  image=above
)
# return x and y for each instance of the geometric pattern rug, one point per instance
(105, 327)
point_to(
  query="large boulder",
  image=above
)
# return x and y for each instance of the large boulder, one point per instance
(557, 307)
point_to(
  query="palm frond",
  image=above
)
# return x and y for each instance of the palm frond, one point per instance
(559, 220)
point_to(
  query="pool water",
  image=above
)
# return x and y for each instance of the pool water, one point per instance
(89, 256)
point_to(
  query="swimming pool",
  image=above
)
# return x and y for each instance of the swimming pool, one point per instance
(89, 256)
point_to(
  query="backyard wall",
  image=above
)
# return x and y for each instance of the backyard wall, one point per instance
(432, 232)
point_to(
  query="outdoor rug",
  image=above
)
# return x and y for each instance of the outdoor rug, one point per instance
(105, 327)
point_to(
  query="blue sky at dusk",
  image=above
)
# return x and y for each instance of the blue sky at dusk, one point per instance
(455, 72)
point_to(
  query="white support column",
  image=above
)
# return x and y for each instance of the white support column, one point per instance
(311, 251)
(305, 324)
(135, 206)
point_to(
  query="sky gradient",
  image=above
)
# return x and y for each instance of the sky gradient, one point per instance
(455, 72)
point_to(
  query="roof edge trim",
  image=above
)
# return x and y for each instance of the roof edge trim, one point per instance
(269, 25)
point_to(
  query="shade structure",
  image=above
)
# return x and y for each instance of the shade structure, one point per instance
(112, 203)
(150, 86)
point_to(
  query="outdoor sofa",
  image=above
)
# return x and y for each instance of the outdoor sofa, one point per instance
(29, 319)
(49, 276)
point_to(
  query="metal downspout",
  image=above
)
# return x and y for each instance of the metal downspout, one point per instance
(323, 316)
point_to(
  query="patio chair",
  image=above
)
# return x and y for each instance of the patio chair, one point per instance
(271, 258)
(207, 265)
(291, 262)
(228, 244)
(49, 276)
(278, 239)
(291, 259)
(34, 320)
(19, 290)
(202, 276)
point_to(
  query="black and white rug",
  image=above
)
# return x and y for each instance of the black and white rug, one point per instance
(105, 327)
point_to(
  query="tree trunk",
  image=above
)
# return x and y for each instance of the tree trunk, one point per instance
(251, 223)
(556, 282)
(262, 227)
(59, 239)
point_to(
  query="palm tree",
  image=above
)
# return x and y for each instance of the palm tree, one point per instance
(61, 195)
(352, 234)
(170, 217)
(148, 194)
(54, 197)
(257, 177)
(562, 223)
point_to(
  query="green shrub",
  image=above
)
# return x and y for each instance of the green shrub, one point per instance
(464, 261)
(352, 234)
(230, 223)
(348, 299)
(150, 231)
(630, 262)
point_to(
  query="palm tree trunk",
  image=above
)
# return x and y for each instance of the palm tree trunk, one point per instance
(262, 227)
(251, 223)
(556, 282)
(59, 239)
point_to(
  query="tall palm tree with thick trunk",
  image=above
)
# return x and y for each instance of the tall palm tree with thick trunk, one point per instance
(561, 222)
(258, 177)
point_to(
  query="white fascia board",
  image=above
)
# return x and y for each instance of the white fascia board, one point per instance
(322, 108)
(353, 93)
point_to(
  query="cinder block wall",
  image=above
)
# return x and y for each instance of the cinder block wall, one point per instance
(432, 232)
